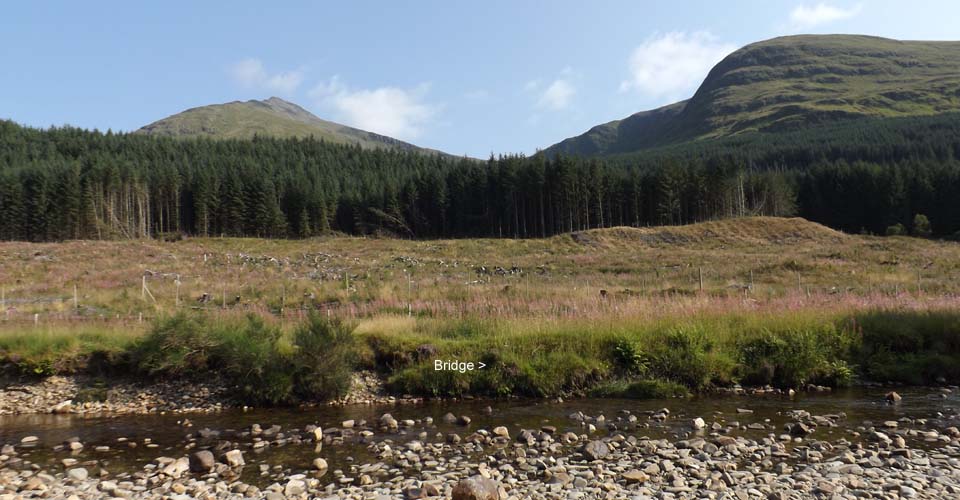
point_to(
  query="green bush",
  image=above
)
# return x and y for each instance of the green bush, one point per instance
(323, 360)
(629, 358)
(176, 346)
(921, 226)
(896, 230)
(793, 358)
(249, 355)
(685, 355)
(253, 356)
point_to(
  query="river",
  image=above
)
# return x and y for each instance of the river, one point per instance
(164, 435)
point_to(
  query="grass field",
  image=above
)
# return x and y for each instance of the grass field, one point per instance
(782, 301)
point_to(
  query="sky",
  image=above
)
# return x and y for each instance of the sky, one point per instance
(471, 78)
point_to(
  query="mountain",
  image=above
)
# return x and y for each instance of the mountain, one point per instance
(788, 83)
(273, 117)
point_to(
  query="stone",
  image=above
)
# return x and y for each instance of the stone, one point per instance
(799, 429)
(501, 431)
(318, 434)
(698, 424)
(892, 397)
(449, 418)
(596, 450)
(202, 461)
(29, 440)
(177, 467)
(635, 476)
(64, 407)
(234, 458)
(476, 488)
(78, 474)
(294, 487)
(347, 424)
(320, 464)
(464, 420)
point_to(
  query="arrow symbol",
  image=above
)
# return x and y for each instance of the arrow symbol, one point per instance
(482, 364)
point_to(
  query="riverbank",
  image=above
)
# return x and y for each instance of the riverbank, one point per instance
(86, 395)
(257, 361)
(818, 447)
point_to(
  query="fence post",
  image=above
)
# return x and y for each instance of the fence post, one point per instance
(700, 272)
(76, 299)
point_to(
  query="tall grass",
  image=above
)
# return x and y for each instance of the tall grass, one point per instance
(657, 353)
(537, 358)
(52, 349)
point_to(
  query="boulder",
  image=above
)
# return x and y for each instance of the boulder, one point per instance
(202, 461)
(892, 397)
(320, 464)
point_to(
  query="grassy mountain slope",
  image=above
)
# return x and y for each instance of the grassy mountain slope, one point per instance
(792, 82)
(273, 117)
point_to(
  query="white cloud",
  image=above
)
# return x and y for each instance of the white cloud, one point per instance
(672, 64)
(557, 95)
(807, 17)
(389, 111)
(251, 73)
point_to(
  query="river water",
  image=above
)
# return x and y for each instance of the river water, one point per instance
(168, 438)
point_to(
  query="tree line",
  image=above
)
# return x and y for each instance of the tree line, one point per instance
(68, 183)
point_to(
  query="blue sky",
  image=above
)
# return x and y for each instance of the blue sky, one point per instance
(464, 77)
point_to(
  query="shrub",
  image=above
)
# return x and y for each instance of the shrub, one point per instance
(249, 355)
(629, 357)
(323, 360)
(179, 345)
(896, 230)
(793, 358)
(684, 355)
(921, 226)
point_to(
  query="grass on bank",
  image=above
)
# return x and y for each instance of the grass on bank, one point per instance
(640, 357)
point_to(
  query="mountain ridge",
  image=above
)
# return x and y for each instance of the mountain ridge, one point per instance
(790, 82)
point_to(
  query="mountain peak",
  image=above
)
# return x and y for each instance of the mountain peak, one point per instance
(270, 117)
